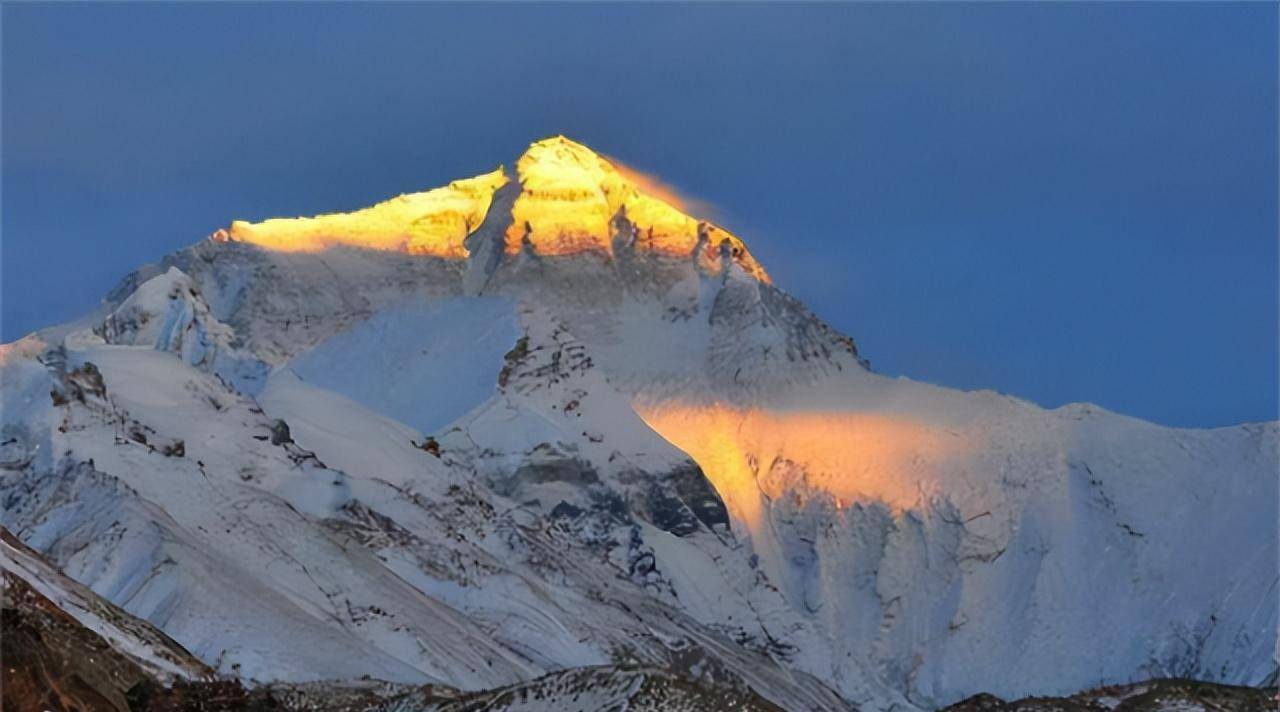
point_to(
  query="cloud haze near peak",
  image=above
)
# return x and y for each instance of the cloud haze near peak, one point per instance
(1061, 201)
(656, 187)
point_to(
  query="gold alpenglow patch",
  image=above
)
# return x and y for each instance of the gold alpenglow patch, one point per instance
(434, 223)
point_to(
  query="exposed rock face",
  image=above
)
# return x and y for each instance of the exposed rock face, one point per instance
(51, 662)
(638, 690)
(1165, 695)
(694, 502)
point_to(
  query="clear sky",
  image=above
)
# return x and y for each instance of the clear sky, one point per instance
(1061, 201)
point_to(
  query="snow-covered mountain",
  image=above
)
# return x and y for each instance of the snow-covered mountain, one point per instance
(541, 420)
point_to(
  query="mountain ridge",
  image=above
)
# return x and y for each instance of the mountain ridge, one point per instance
(569, 200)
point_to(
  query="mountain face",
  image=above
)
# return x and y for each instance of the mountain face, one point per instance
(541, 421)
(66, 649)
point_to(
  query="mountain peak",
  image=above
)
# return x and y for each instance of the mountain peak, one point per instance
(564, 153)
(571, 200)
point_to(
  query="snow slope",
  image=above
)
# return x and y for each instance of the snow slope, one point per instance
(455, 346)
(584, 430)
(139, 642)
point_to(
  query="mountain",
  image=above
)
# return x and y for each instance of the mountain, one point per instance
(540, 422)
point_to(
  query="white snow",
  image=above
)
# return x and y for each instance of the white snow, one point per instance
(454, 346)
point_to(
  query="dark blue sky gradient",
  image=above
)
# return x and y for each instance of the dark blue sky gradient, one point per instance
(1061, 201)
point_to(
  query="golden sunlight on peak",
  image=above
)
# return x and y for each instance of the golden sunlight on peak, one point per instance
(433, 223)
(754, 456)
(563, 207)
(570, 195)
(571, 200)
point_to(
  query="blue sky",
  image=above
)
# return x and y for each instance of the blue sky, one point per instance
(1061, 201)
